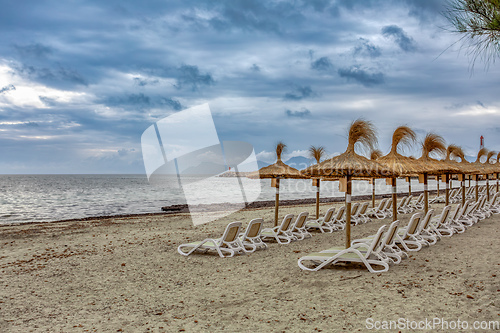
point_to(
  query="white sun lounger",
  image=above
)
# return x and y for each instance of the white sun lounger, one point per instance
(359, 253)
(228, 244)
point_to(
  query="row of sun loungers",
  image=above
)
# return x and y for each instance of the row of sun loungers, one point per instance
(421, 230)
(391, 244)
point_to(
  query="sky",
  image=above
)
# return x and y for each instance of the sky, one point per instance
(80, 81)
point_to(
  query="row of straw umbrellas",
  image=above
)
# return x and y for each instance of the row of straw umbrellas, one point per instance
(351, 166)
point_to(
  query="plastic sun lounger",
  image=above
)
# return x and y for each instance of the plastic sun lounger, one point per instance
(338, 222)
(389, 249)
(282, 233)
(378, 212)
(408, 236)
(360, 212)
(229, 243)
(299, 229)
(359, 253)
(323, 224)
(251, 237)
(426, 233)
(439, 224)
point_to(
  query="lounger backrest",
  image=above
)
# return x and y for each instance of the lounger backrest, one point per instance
(391, 234)
(376, 244)
(363, 208)
(301, 220)
(231, 233)
(410, 197)
(329, 214)
(456, 213)
(413, 224)
(254, 228)
(494, 199)
(464, 209)
(354, 208)
(381, 204)
(340, 213)
(388, 203)
(444, 214)
(402, 202)
(286, 223)
(424, 224)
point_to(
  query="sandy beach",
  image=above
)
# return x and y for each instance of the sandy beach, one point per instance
(125, 275)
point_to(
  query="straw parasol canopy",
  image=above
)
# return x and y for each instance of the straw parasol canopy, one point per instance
(349, 164)
(317, 153)
(486, 167)
(402, 165)
(434, 143)
(277, 171)
(464, 166)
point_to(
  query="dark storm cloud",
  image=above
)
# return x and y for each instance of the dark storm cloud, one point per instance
(321, 64)
(405, 42)
(55, 76)
(264, 16)
(299, 93)
(35, 50)
(365, 48)
(98, 66)
(255, 68)
(171, 103)
(190, 76)
(362, 76)
(299, 114)
(144, 82)
(7, 88)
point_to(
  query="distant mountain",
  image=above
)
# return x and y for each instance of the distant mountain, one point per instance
(300, 162)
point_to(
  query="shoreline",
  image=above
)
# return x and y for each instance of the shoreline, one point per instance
(183, 208)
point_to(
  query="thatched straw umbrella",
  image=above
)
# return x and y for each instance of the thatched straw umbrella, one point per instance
(317, 153)
(491, 170)
(450, 152)
(498, 169)
(465, 168)
(483, 170)
(277, 171)
(374, 155)
(402, 165)
(349, 165)
(433, 143)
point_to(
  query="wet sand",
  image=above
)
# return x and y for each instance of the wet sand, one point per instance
(124, 274)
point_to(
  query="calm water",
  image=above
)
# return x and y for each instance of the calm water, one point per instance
(41, 198)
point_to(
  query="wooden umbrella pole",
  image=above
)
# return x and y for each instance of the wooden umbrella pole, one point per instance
(409, 185)
(317, 199)
(487, 187)
(277, 202)
(373, 192)
(477, 188)
(426, 194)
(394, 200)
(348, 212)
(463, 190)
(447, 190)
(437, 181)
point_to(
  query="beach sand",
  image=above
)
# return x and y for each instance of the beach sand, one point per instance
(124, 274)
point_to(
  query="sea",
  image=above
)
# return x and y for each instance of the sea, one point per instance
(45, 198)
